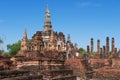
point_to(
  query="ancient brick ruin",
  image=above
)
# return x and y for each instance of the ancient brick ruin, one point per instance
(42, 58)
(104, 51)
(105, 63)
(49, 56)
(47, 40)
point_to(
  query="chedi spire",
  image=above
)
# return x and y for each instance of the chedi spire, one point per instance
(47, 25)
(24, 42)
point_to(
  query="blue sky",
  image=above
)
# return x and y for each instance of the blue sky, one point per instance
(82, 19)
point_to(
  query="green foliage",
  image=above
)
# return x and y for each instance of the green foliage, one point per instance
(14, 48)
(94, 53)
(29, 41)
(1, 41)
(82, 51)
(119, 51)
(6, 54)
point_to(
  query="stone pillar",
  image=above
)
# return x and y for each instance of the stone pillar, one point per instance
(0, 52)
(88, 49)
(115, 50)
(115, 55)
(92, 45)
(107, 45)
(113, 46)
(98, 46)
(104, 53)
(101, 52)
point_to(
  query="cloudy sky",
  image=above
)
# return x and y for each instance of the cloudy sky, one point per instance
(82, 19)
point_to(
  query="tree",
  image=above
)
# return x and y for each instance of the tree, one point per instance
(119, 51)
(6, 54)
(14, 48)
(1, 41)
(81, 50)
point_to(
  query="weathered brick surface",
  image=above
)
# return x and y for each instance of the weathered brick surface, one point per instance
(77, 67)
(116, 63)
(111, 72)
(107, 72)
(94, 61)
(103, 69)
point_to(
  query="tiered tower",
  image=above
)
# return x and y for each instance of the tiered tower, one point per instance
(47, 29)
(47, 25)
(24, 42)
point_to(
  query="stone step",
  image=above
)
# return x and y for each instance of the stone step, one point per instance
(12, 73)
(67, 77)
(30, 77)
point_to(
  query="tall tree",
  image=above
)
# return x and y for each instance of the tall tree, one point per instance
(14, 48)
(1, 41)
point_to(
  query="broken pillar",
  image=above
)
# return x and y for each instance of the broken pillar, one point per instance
(104, 53)
(107, 46)
(113, 46)
(88, 49)
(92, 45)
(98, 46)
(101, 52)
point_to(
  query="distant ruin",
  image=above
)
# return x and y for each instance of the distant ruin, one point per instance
(104, 51)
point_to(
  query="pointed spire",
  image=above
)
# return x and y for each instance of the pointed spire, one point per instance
(68, 38)
(25, 33)
(47, 14)
(47, 9)
(24, 42)
(47, 25)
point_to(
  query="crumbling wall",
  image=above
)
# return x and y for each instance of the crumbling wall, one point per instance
(77, 66)
(107, 73)
(98, 63)
(116, 63)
